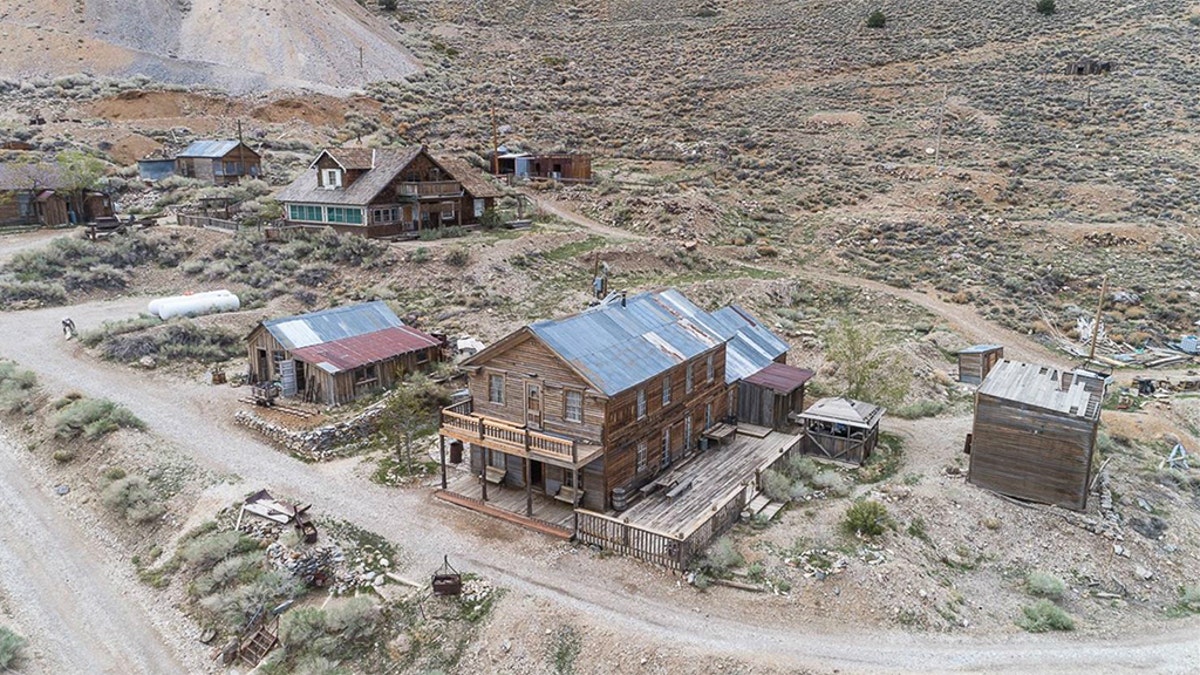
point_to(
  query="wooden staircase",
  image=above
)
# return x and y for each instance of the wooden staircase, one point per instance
(761, 504)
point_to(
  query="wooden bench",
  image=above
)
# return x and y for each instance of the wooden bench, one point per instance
(720, 432)
(568, 494)
(495, 475)
(679, 489)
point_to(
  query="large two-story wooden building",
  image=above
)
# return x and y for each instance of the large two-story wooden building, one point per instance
(386, 192)
(608, 399)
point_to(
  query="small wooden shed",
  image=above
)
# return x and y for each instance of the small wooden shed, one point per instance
(218, 162)
(773, 396)
(1034, 433)
(841, 428)
(975, 362)
(336, 355)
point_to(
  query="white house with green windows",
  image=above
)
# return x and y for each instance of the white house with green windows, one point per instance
(386, 192)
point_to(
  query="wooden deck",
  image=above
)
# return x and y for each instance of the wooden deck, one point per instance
(715, 475)
(546, 509)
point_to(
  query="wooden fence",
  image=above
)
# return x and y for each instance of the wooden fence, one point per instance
(628, 539)
(208, 222)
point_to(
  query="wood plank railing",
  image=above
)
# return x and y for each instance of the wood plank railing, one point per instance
(431, 188)
(504, 436)
(207, 222)
(631, 540)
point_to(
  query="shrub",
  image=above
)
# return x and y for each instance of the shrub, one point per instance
(92, 418)
(12, 649)
(17, 388)
(800, 467)
(185, 341)
(301, 627)
(237, 606)
(205, 552)
(923, 408)
(1044, 585)
(419, 255)
(1043, 616)
(917, 529)
(458, 257)
(876, 19)
(830, 481)
(35, 293)
(354, 620)
(722, 557)
(776, 486)
(1046, 7)
(868, 518)
(315, 274)
(132, 498)
(1189, 600)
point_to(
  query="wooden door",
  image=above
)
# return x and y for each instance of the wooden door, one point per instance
(533, 405)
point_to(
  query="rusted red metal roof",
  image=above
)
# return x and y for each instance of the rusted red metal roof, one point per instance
(348, 353)
(781, 378)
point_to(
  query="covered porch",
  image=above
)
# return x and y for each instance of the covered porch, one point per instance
(841, 429)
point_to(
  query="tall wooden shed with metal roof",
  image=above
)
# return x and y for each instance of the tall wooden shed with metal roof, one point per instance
(218, 162)
(841, 428)
(1034, 433)
(975, 362)
(336, 355)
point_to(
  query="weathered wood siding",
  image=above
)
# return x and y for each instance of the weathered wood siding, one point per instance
(624, 431)
(554, 378)
(762, 406)
(973, 367)
(1031, 453)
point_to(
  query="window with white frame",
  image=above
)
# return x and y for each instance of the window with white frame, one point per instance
(687, 431)
(641, 456)
(666, 394)
(666, 458)
(496, 389)
(574, 406)
(331, 178)
(641, 404)
(712, 370)
(688, 380)
(447, 211)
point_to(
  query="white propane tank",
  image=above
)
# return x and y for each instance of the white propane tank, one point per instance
(194, 305)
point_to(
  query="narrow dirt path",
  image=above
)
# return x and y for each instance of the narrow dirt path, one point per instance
(81, 616)
(617, 593)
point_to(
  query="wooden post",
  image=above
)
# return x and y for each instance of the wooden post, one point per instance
(1096, 325)
(442, 447)
(495, 145)
(483, 473)
(575, 480)
(528, 479)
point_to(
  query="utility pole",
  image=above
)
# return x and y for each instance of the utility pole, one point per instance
(495, 145)
(242, 171)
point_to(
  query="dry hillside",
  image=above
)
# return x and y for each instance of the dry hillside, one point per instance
(248, 45)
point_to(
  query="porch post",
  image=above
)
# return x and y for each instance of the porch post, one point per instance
(442, 447)
(483, 472)
(575, 481)
(528, 482)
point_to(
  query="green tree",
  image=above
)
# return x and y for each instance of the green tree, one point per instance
(78, 173)
(872, 371)
(876, 19)
(1046, 7)
(409, 414)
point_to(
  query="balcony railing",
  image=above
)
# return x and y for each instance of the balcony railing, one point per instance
(460, 423)
(432, 188)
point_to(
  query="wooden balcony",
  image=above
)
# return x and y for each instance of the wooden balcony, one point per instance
(432, 189)
(459, 422)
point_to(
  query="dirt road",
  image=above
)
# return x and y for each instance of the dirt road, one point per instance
(426, 529)
(81, 616)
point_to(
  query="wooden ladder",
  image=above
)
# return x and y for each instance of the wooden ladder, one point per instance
(257, 646)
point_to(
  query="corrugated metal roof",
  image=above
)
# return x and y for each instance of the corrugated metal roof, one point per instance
(619, 344)
(781, 378)
(1043, 387)
(349, 353)
(751, 346)
(980, 349)
(338, 323)
(842, 410)
(212, 149)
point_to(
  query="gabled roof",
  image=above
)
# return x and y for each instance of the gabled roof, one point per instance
(381, 165)
(751, 346)
(351, 158)
(780, 377)
(337, 323)
(343, 338)
(843, 410)
(1066, 392)
(210, 149)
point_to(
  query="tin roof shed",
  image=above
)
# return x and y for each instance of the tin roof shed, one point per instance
(338, 323)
